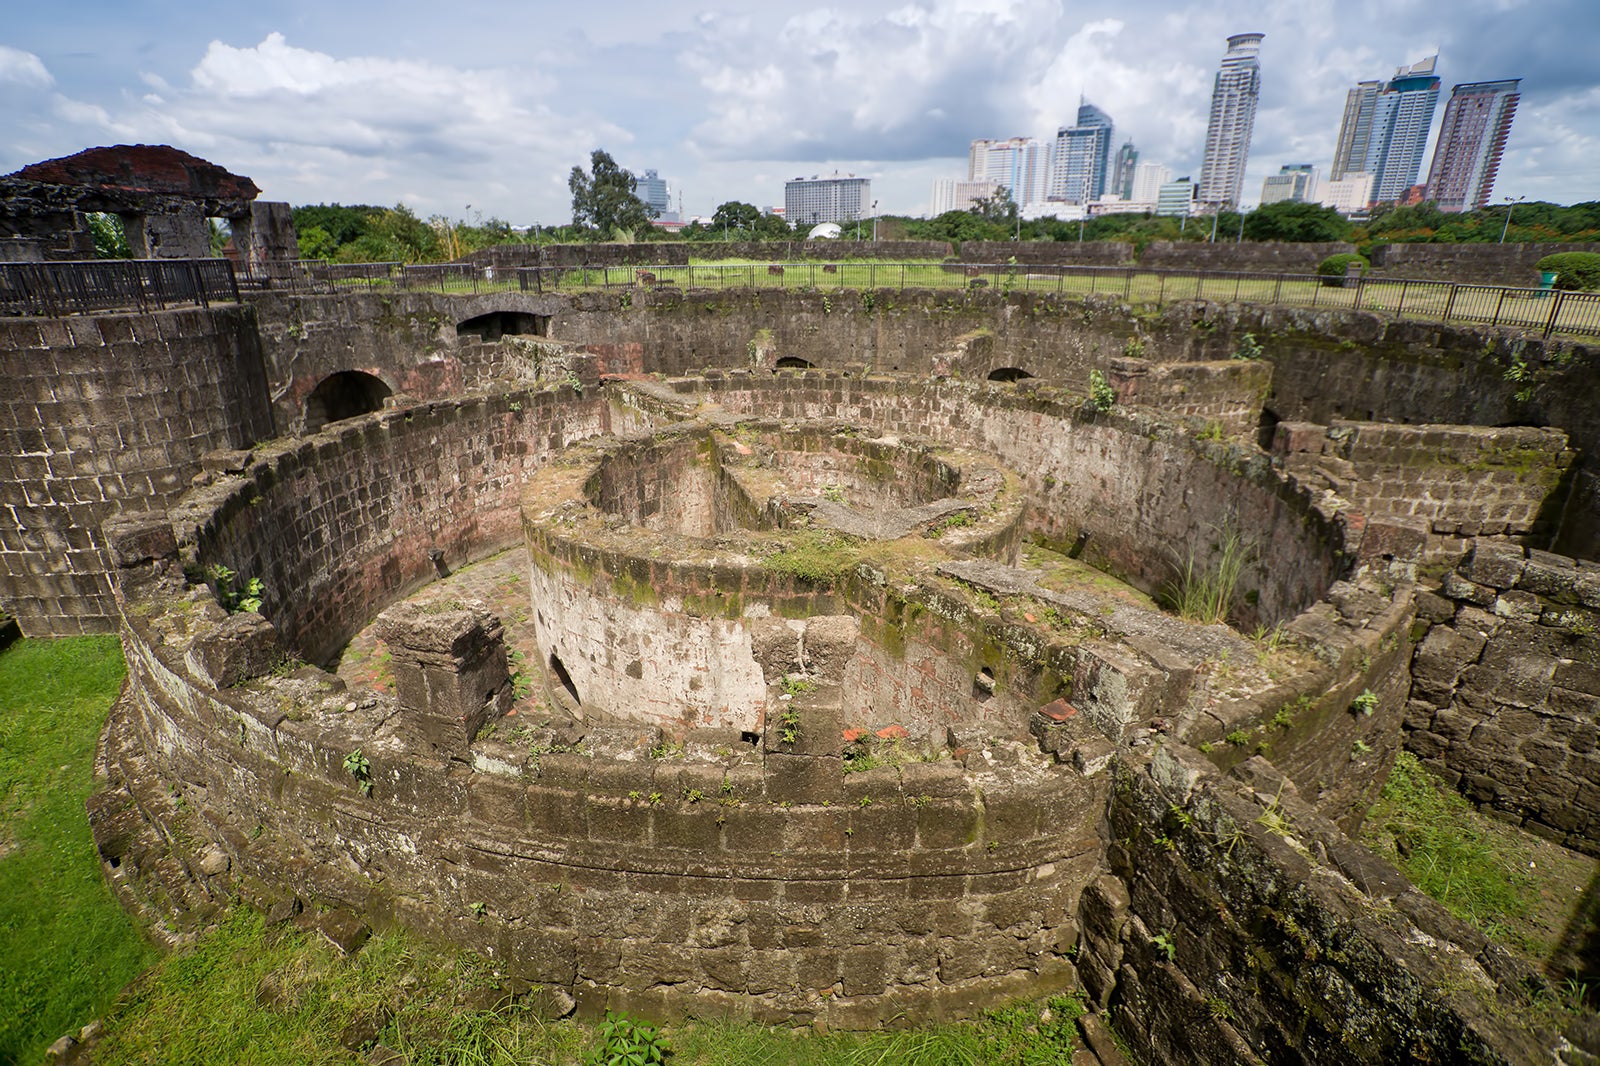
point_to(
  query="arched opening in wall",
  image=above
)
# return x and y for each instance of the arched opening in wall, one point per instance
(1008, 373)
(564, 678)
(344, 395)
(497, 324)
(794, 362)
(1267, 428)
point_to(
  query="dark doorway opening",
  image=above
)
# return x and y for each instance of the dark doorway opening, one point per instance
(794, 362)
(344, 395)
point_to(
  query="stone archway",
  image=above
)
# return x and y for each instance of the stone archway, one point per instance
(345, 394)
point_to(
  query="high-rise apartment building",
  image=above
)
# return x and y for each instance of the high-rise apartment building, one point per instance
(1296, 182)
(1021, 164)
(1122, 171)
(838, 198)
(1082, 153)
(1233, 119)
(1477, 121)
(1147, 181)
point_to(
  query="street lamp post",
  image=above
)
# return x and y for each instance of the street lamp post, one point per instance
(874, 220)
(1511, 205)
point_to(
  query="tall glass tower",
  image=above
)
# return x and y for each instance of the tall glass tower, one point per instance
(1385, 129)
(1233, 118)
(1082, 152)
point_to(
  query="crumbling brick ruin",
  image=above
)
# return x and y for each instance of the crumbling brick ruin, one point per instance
(836, 694)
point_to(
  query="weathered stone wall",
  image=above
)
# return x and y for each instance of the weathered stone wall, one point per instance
(1228, 394)
(103, 414)
(678, 253)
(1237, 925)
(340, 523)
(1049, 253)
(1275, 257)
(406, 340)
(1144, 494)
(1505, 700)
(1446, 484)
(1473, 264)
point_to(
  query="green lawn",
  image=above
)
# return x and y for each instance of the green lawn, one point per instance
(250, 993)
(66, 947)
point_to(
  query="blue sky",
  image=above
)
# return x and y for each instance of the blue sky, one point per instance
(471, 107)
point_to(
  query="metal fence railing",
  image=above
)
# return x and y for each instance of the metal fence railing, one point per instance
(54, 289)
(66, 288)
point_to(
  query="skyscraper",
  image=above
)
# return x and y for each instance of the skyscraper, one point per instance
(1078, 169)
(1233, 118)
(1021, 164)
(1401, 114)
(1122, 171)
(1355, 129)
(1472, 138)
(652, 189)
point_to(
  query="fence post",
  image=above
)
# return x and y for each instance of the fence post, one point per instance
(1497, 305)
(1555, 312)
(1401, 306)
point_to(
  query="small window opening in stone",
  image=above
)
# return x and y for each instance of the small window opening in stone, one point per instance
(749, 737)
(344, 395)
(497, 324)
(1008, 373)
(219, 237)
(983, 684)
(1267, 428)
(794, 362)
(565, 678)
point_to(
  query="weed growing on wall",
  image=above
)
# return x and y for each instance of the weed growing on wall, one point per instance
(1102, 397)
(1205, 592)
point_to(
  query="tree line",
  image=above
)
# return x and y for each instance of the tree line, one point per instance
(606, 206)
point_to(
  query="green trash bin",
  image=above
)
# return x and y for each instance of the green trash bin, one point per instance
(1547, 279)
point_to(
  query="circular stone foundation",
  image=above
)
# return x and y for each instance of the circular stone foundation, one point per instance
(683, 579)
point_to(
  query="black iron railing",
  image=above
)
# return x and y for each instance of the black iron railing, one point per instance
(67, 288)
(53, 289)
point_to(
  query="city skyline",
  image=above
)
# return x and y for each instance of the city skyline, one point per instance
(422, 107)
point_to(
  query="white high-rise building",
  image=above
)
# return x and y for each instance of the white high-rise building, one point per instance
(1021, 164)
(1233, 119)
(952, 195)
(838, 198)
(1348, 195)
(1147, 181)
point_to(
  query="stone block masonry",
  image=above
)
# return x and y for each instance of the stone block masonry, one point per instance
(1505, 694)
(106, 414)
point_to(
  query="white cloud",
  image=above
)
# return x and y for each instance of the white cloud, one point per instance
(23, 68)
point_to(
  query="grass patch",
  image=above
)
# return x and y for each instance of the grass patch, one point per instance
(818, 556)
(248, 993)
(66, 947)
(1467, 862)
(1206, 593)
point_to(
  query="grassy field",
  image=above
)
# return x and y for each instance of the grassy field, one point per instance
(66, 947)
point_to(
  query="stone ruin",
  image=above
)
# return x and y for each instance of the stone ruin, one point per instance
(162, 196)
(676, 682)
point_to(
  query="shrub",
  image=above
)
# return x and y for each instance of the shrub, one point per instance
(1578, 271)
(1102, 397)
(1334, 267)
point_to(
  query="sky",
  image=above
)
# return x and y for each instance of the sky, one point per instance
(470, 108)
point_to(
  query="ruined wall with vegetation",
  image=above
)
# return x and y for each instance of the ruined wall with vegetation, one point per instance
(1237, 925)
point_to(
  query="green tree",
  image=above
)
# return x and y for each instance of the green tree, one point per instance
(110, 239)
(605, 199)
(999, 207)
(1292, 221)
(734, 217)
